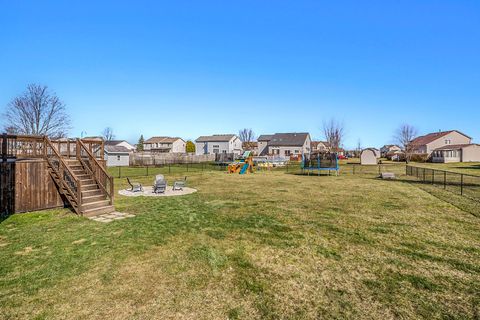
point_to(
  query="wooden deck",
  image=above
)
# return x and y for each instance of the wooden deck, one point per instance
(38, 173)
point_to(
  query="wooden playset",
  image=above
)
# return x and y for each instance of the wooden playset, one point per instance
(243, 165)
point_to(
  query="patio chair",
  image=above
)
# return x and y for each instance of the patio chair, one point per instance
(179, 184)
(160, 184)
(134, 186)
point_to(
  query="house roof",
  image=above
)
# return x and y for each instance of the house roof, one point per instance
(116, 149)
(456, 146)
(265, 137)
(113, 142)
(428, 138)
(288, 139)
(316, 143)
(216, 138)
(162, 140)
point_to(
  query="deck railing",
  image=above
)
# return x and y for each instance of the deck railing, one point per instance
(95, 169)
(31, 146)
(66, 178)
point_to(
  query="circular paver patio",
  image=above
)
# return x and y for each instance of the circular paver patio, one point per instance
(148, 192)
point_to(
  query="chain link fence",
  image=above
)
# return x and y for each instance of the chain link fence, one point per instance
(463, 184)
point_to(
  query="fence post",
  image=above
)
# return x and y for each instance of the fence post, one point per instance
(187, 166)
(433, 176)
(169, 168)
(424, 174)
(119, 172)
(147, 171)
(445, 180)
(461, 184)
(353, 169)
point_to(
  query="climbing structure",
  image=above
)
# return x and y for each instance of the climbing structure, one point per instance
(243, 165)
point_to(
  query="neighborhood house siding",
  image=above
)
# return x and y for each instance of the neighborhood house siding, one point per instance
(471, 153)
(208, 145)
(451, 138)
(117, 159)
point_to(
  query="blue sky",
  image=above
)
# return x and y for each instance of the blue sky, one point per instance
(188, 68)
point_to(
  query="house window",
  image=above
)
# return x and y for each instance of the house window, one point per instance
(448, 141)
(296, 151)
(224, 151)
(118, 158)
(287, 152)
(216, 150)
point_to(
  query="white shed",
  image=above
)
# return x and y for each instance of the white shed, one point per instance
(369, 156)
(117, 156)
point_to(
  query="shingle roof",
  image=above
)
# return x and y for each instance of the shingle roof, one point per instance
(265, 137)
(116, 149)
(428, 138)
(288, 139)
(215, 138)
(113, 142)
(456, 146)
(162, 140)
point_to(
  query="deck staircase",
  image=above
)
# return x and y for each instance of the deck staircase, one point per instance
(81, 179)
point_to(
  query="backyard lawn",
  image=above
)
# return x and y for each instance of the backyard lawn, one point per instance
(271, 245)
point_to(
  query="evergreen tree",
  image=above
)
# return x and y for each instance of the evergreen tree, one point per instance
(140, 143)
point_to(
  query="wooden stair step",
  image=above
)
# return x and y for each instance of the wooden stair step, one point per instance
(89, 187)
(98, 211)
(94, 198)
(89, 193)
(95, 204)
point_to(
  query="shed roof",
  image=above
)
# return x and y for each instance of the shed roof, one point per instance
(457, 146)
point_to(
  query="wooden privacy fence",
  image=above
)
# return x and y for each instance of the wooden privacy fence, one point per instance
(463, 184)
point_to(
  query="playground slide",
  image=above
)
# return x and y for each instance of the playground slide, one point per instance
(244, 168)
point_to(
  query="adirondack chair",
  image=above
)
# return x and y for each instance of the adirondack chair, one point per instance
(160, 184)
(179, 184)
(134, 186)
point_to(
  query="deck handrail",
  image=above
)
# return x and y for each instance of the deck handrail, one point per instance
(97, 166)
(75, 194)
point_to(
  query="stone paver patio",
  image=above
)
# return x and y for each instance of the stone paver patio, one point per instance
(109, 217)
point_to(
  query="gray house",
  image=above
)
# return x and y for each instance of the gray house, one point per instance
(218, 143)
(284, 144)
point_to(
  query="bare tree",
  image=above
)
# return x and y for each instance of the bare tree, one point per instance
(404, 136)
(334, 132)
(107, 134)
(247, 136)
(38, 112)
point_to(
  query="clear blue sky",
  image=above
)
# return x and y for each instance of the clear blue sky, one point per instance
(190, 68)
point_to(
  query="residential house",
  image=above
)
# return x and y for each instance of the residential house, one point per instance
(117, 155)
(389, 148)
(457, 153)
(284, 144)
(164, 145)
(120, 143)
(320, 146)
(446, 146)
(218, 143)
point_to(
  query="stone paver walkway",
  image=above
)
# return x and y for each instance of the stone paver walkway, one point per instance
(109, 217)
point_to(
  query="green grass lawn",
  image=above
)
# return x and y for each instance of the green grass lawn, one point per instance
(472, 168)
(265, 246)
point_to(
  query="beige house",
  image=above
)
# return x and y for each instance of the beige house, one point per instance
(320, 146)
(428, 143)
(389, 148)
(164, 145)
(369, 156)
(284, 144)
(457, 153)
(447, 146)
